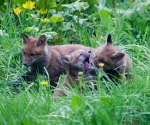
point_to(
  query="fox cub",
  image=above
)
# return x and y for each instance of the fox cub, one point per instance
(37, 55)
(114, 61)
(79, 64)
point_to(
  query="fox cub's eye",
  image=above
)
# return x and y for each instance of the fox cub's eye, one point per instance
(32, 54)
(81, 54)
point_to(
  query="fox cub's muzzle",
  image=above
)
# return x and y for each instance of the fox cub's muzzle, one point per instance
(27, 63)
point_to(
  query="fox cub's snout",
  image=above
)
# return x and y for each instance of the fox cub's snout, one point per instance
(78, 60)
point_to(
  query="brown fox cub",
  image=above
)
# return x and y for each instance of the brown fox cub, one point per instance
(78, 63)
(37, 55)
(114, 61)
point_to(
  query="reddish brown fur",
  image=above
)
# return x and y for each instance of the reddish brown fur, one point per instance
(74, 61)
(114, 58)
(37, 55)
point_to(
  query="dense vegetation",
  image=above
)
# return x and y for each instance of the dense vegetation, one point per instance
(86, 22)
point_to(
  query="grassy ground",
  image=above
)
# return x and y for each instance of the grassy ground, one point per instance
(126, 104)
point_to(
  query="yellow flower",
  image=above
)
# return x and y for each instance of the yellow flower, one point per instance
(29, 5)
(133, 3)
(42, 11)
(80, 73)
(17, 10)
(44, 83)
(56, 39)
(44, 20)
(101, 64)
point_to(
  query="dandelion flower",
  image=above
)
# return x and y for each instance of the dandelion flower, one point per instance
(101, 64)
(80, 73)
(133, 3)
(17, 10)
(56, 39)
(29, 5)
(44, 83)
(44, 20)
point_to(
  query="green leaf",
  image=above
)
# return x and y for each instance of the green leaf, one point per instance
(104, 15)
(77, 6)
(74, 103)
(77, 103)
(46, 4)
(30, 29)
(56, 18)
(50, 35)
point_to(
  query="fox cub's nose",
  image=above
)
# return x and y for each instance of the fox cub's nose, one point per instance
(26, 63)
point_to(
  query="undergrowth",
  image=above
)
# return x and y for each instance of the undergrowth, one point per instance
(67, 23)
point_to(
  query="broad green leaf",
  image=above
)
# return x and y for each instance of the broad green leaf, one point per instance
(46, 4)
(29, 29)
(50, 35)
(77, 6)
(77, 103)
(104, 15)
(56, 18)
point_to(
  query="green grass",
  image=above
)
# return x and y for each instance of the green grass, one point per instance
(126, 104)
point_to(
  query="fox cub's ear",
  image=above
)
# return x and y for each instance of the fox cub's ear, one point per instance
(25, 38)
(109, 41)
(41, 40)
(117, 56)
(66, 58)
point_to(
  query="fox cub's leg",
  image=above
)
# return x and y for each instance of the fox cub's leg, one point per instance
(122, 73)
(29, 76)
(53, 81)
